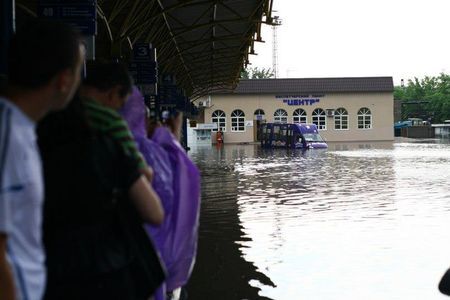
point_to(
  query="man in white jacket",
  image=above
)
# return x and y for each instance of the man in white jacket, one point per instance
(44, 68)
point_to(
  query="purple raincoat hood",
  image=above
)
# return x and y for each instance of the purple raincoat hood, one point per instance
(134, 113)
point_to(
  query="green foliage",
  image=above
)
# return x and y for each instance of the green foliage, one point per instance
(433, 89)
(257, 73)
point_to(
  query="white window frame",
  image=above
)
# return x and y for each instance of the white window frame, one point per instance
(340, 115)
(280, 116)
(238, 118)
(220, 118)
(300, 116)
(364, 118)
(258, 113)
(318, 118)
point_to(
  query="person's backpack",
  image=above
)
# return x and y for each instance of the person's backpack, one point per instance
(145, 265)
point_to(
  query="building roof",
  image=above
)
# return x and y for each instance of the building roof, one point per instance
(313, 85)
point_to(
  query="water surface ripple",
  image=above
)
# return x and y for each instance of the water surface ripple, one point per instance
(356, 221)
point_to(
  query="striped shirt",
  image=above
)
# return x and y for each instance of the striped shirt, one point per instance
(109, 122)
(21, 201)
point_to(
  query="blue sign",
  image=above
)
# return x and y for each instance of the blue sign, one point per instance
(170, 94)
(144, 52)
(80, 14)
(144, 72)
(297, 102)
(86, 27)
(143, 66)
(73, 11)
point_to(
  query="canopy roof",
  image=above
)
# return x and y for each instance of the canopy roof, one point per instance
(204, 43)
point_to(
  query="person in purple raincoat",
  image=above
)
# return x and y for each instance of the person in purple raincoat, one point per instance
(177, 182)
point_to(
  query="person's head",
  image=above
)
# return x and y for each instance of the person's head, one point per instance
(46, 57)
(174, 120)
(108, 82)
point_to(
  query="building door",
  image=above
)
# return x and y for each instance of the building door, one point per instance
(257, 129)
(259, 118)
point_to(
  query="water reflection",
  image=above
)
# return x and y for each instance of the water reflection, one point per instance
(220, 271)
(356, 221)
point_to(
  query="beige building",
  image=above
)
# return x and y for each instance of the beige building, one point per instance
(344, 109)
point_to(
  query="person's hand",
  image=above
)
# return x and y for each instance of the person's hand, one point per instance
(148, 173)
(6, 277)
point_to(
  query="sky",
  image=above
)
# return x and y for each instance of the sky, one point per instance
(339, 38)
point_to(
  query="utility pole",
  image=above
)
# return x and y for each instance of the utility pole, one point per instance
(275, 24)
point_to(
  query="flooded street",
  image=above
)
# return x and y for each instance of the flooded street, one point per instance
(355, 221)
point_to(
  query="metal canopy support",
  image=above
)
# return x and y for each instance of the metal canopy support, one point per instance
(204, 43)
(174, 40)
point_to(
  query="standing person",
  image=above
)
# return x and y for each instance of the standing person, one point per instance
(96, 246)
(44, 66)
(134, 112)
(186, 205)
(173, 120)
(219, 136)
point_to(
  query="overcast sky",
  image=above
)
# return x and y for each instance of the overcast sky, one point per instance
(334, 38)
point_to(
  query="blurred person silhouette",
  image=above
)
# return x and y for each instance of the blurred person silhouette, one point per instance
(219, 136)
(45, 59)
(104, 92)
(93, 216)
(184, 213)
(136, 114)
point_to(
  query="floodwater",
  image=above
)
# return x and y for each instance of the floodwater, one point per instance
(355, 221)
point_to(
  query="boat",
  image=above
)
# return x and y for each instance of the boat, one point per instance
(286, 135)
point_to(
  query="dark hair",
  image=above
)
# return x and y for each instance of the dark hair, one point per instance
(65, 126)
(106, 75)
(40, 50)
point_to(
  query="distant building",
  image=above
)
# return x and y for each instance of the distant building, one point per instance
(344, 109)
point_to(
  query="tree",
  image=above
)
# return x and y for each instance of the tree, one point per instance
(257, 73)
(436, 90)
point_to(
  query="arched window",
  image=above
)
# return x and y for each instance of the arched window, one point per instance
(259, 114)
(280, 116)
(218, 117)
(364, 118)
(341, 119)
(237, 120)
(299, 116)
(319, 118)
